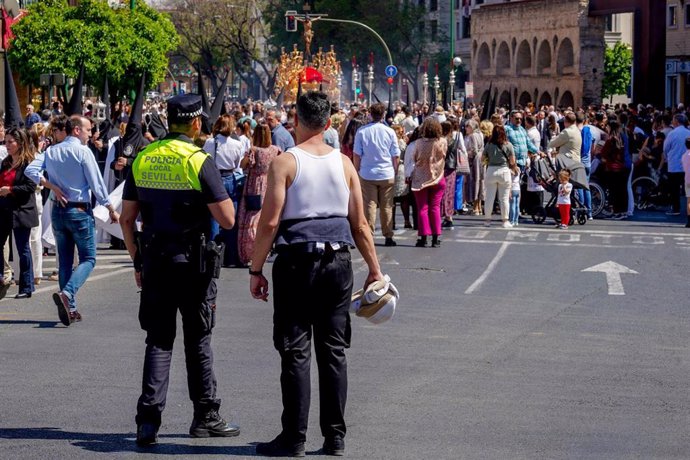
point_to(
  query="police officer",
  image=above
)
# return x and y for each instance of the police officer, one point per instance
(177, 188)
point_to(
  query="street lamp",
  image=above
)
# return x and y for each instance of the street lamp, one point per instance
(370, 79)
(425, 84)
(339, 82)
(457, 62)
(437, 86)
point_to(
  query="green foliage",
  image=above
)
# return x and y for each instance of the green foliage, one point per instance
(617, 70)
(56, 38)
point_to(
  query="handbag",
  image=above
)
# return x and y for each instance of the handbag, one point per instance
(401, 187)
(463, 167)
(252, 202)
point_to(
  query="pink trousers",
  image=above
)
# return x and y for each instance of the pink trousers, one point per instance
(429, 208)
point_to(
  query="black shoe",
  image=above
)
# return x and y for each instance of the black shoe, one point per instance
(212, 425)
(390, 242)
(435, 242)
(62, 303)
(447, 224)
(421, 242)
(23, 295)
(147, 434)
(279, 448)
(334, 446)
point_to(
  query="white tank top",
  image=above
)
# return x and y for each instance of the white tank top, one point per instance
(319, 189)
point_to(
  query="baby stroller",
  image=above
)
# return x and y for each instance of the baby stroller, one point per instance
(544, 171)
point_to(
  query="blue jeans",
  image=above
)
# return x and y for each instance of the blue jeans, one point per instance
(585, 196)
(459, 182)
(234, 185)
(21, 238)
(514, 206)
(73, 226)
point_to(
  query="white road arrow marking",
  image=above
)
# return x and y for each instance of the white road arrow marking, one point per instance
(613, 273)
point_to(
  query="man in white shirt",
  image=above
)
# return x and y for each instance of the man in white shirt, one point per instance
(376, 155)
(532, 131)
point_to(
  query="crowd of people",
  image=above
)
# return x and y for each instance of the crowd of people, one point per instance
(434, 164)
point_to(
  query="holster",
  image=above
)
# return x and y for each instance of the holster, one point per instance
(211, 257)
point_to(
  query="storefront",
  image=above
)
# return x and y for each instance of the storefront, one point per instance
(677, 82)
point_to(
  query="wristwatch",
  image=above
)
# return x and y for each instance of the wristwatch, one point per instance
(256, 273)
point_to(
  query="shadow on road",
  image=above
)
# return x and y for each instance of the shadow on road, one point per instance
(123, 442)
(39, 324)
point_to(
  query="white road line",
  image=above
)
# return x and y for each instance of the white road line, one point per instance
(549, 229)
(54, 288)
(475, 286)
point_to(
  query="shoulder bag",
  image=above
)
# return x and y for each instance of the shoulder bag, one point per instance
(463, 166)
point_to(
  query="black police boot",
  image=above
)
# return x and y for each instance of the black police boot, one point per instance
(334, 446)
(280, 448)
(211, 424)
(435, 242)
(147, 434)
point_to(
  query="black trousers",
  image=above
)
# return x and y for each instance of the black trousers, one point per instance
(676, 183)
(161, 298)
(312, 300)
(617, 182)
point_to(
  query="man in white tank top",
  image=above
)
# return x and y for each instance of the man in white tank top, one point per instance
(313, 212)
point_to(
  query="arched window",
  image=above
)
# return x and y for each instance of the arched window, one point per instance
(545, 99)
(483, 59)
(503, 63)
(504, 99)
(544, 59)
(523, 59)
(567, 100)
(566, 58)
(525, 98)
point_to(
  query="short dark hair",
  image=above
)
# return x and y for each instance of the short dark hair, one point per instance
(580, 117)
(377, 110)
(530, 120)
(313, 110)
(570, 118)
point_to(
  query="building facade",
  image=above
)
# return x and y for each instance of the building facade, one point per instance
(677, 52)
(545, 51)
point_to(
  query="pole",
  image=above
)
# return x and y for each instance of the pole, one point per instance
(347, 21)
(132, 93)
(452, 50)
(452, 32)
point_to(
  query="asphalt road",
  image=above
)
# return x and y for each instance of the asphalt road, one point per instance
(502, 348)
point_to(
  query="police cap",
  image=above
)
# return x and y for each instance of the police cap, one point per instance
(184, 108)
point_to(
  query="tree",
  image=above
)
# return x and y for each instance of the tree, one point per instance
(399, 23)
(57, 38)
(218, 33)
(617, 70)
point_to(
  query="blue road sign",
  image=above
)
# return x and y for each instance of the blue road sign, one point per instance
(391, 71)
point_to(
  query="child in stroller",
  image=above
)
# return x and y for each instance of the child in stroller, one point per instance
(544, 171)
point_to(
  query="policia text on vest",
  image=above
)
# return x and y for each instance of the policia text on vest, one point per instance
(169, 165)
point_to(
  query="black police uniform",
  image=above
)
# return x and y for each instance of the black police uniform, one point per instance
(176, 219)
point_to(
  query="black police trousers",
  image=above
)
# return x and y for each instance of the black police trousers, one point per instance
(312, 300)
(167, 288)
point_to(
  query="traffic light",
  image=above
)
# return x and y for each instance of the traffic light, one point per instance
(291, 21)
(390, 80)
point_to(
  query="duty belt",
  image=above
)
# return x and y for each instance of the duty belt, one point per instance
(312, 248)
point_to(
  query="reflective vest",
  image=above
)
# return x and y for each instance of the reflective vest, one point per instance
(169, 164)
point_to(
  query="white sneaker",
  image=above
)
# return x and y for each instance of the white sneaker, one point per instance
(507, 224)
